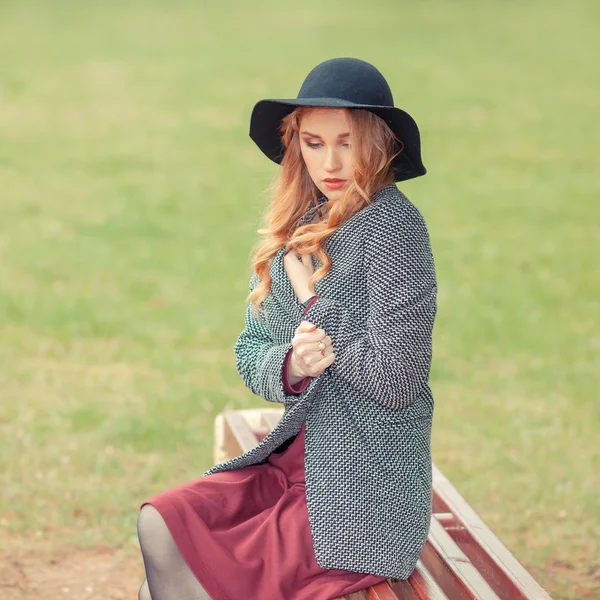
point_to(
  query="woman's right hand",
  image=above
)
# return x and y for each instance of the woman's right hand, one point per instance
(306, 359)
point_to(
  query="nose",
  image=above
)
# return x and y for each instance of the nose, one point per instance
(332, 161)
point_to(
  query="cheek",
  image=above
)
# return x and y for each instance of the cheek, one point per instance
(310, 160)
(349, 163)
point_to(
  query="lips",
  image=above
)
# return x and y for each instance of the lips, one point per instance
(333, 183)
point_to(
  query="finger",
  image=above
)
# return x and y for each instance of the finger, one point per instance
(307, 262)
(310, 339)
(326, 351)
(312, 351)
(313, 336)
(326, 360)
(305, 326)
(309, 357)
(319, 345)
(318, 367)
(306, 336)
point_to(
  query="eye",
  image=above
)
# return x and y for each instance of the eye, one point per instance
(346, 145)
(312, 145)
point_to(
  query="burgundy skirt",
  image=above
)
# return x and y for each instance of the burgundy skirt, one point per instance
(245, 533)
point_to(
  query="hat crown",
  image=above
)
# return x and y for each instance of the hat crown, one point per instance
(349, 79)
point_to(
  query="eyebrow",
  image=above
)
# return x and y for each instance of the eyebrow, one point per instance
(318, 136)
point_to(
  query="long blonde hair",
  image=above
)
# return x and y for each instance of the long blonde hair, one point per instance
(293, 192)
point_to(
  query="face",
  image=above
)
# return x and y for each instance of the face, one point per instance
(326, 150)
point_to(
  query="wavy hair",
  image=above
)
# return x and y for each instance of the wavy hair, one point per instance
(293, 192)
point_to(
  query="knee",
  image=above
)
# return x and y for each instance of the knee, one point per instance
(152, 530)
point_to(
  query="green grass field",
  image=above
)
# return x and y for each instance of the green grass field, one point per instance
(130, 195)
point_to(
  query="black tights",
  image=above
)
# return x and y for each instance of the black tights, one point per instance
(168, 576)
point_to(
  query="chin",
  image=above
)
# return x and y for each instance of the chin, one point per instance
(333, 194)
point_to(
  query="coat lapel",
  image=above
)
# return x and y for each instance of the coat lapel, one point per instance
(281, 287)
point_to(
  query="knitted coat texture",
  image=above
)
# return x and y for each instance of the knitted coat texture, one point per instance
(368, 416)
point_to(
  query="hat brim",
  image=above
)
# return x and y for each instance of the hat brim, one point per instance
(267, 114)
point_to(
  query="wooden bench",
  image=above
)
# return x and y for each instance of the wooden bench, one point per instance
(462, 558)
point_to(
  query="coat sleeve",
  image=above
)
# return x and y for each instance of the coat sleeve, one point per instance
(388, 360)
(260, 361)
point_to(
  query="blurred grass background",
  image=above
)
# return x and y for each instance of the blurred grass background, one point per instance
(130, 195)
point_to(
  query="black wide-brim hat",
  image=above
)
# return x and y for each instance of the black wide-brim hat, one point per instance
(341, 83)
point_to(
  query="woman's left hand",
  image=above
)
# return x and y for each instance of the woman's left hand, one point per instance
(299, 272)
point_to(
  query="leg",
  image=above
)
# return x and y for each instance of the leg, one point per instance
(168, 575)
(144, 593)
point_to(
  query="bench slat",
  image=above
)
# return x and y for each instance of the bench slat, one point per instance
(403, 588)
(503, 570)
(457, 563)
(239, 437)
(382, 591)
(422, 586)
(360, 595)
(270, 419)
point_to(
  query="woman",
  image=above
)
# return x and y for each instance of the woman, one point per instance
(343, 299)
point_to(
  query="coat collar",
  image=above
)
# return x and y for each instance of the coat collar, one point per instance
(322, 200)
(280, 283)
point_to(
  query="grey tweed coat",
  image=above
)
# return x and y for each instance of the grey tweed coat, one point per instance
(368, 416)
